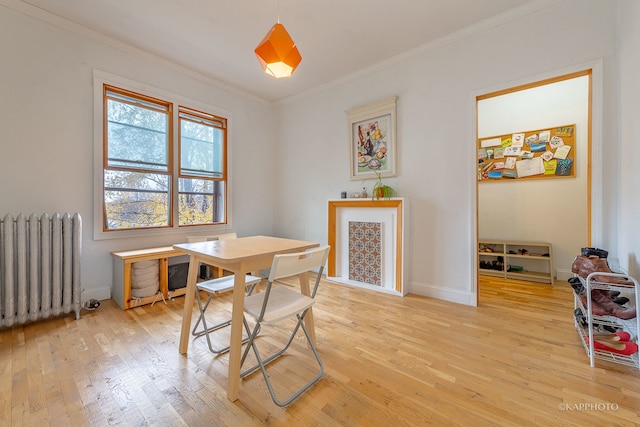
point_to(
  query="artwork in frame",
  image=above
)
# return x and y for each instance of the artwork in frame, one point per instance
(372, 139)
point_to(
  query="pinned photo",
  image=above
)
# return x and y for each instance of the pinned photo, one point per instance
(545, 135)
(532, 139)
(538, 148)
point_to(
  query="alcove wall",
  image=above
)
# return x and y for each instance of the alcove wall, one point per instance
(550, 210)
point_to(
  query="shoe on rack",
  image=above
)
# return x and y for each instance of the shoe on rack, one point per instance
(600, 297)
(614, 337)
(576, 284)
(620, 300)
(579, 315)
(583, 266)
(596, 309)
(622, 347)
(600, 253)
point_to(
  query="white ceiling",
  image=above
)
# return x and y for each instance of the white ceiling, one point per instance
(336, 38)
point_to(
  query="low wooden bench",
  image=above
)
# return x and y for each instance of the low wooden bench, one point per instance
(122, 263)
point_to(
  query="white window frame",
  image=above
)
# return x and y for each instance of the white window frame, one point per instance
(100, 78)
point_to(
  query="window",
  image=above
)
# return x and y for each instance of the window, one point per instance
(202, 164)
(144, 184)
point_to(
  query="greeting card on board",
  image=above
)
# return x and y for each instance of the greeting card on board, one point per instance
(564, 167)
(550, 167)
(493, 142)
(562, 152)
(556, 142)
(526, 155)
(512, 151)
(518, 139)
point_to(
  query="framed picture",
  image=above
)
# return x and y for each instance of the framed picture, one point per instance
(372, 139)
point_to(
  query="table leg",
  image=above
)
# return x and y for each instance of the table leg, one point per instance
(189, 299)
(233, 380)
(308, 319)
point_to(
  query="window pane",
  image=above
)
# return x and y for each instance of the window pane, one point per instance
(200, 201)
(201, 146)
(136, 200)
(137, 135)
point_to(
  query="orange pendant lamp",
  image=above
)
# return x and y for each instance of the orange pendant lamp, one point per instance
(278, 53)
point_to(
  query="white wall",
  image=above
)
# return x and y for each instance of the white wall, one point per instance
(547, 210)
(436, 134)
(629, 89)
(47, 136)
(46, 143)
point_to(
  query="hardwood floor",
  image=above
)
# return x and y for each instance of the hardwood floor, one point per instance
(516, 359)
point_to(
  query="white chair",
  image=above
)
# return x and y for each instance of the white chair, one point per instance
(278, 303)
(215, 287)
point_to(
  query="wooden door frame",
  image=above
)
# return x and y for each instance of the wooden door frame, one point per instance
(594, 148)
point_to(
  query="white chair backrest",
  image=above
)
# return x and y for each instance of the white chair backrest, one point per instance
(227, 236)
(286, 265)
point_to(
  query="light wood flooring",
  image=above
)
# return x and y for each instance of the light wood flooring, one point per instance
(515, 360)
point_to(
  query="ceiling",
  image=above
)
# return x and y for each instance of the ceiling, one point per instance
(336, 38)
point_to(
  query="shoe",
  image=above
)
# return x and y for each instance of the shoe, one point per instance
(596, 310)
(602, 299)
(620, 300)
(576, 284)
(600, 253)
(583, 266)
(615, 337)
(624, 348)
(579, 315)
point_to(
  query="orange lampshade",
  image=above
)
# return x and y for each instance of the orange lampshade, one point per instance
(278, 53)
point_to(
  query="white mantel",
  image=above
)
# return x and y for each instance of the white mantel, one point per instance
(389, 214)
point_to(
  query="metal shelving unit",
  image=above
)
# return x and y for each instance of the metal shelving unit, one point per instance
(632, 326)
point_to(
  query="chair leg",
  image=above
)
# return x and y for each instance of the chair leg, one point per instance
(206, 330)
(202, 309)
(263, 362)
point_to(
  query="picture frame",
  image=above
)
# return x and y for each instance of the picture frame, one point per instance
(372, 139)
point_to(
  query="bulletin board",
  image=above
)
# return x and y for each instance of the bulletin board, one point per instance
(547, 153)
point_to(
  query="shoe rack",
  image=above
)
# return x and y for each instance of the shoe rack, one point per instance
(531, 261)
(593, 322)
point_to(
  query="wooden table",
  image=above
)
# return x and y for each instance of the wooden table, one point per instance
(239, 256)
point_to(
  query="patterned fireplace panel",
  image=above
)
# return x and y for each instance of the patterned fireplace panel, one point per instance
(365, 252)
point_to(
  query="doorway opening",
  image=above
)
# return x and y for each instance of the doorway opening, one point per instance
(557, 211)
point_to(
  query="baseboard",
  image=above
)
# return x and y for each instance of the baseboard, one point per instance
(563, 275)
(444, 294)
(98, 293)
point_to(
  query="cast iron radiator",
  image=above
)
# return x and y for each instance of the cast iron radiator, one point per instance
(39, 267)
